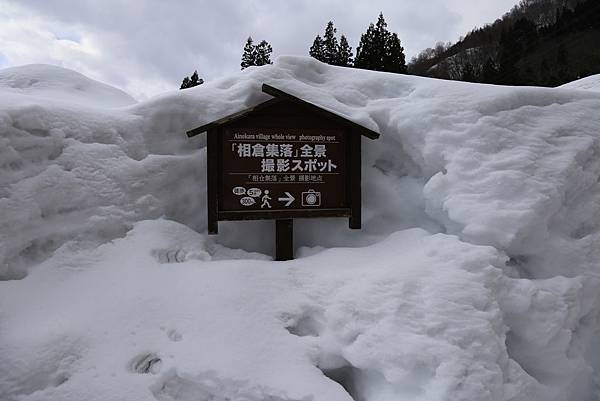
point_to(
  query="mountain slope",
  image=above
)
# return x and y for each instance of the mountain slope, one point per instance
(539, 42)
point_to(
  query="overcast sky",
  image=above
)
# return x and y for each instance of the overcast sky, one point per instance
(147, 46)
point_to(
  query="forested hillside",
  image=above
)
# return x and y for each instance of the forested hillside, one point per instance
(539, 42)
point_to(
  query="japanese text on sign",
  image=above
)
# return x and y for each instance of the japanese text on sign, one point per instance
(301, 168)
(286, 157)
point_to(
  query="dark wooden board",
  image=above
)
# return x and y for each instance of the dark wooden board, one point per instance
(282, 160)
(269, 169)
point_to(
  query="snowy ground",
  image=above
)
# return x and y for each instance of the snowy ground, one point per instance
(475, 276)
(591, 83)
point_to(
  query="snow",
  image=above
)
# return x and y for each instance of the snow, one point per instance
(591, 83)
(475, 276)
(58, 84)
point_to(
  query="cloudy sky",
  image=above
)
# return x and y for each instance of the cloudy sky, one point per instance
(147, 46)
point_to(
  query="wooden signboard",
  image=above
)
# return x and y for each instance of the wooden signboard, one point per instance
(281, 160)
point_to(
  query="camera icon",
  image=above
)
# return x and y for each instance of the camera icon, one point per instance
(311, 198)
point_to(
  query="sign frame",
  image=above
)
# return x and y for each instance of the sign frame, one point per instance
(215, 189)
(313, 117)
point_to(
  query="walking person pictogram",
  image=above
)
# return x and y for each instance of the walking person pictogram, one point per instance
(265, 200)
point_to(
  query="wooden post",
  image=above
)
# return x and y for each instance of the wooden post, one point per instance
(354, 161)
(284, 239)
(212, 181)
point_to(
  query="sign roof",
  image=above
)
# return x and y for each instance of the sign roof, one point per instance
(279, 96)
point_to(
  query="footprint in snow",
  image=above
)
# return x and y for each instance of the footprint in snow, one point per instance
(208, 386)
(146, 363)
(178, 255)
(174, 335)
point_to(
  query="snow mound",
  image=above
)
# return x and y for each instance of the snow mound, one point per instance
(475, 276)
(60, 85)
(591, 83)
(413, 317)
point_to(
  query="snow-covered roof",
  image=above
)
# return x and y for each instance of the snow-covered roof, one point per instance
(278, 96)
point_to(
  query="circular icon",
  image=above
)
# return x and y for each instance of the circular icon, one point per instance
(239, 191)
(254, 192)
(247, 201)
(310, 199)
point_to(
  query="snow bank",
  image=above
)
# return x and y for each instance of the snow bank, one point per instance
(58, 85)
(414, 317)
(591, 83)
(475, 275)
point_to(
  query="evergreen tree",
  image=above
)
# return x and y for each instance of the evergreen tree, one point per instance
(468, 73)
(263, 53)
(330, 44)
(365, 48)
(393, 57)
(328, 50)
(546, 78)
(489, 72)
(190, 82)
(380, 50)
(508, 56)
(185, 83)
(514, 42)
(379, 41)
(258, 55)
(562, 62)
(317, 49)
(344, 53)
(249, 55)
(195, 80)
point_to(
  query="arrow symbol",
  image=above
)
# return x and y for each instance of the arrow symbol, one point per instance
(289, 199)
